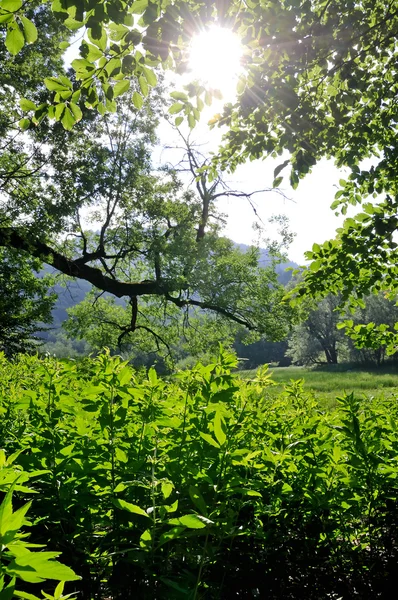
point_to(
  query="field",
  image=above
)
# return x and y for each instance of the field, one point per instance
(202, 486)
(328, 383)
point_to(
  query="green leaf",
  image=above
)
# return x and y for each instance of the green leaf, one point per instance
(178, 121)
(64, 45)
(209, 439)
(58, 84)
(31, 566)
(167, 488)
(143, 86)
(150, 76)
(218, 429)
(29, 29)
(59, 590)
(7, 18)
(121, 455)
(172, 534)
(27, 104)
(15, 39)
(92, 53)
(16, 520)
(316, 265)
(279, 168)
(11, 5)
(198, 499)
(191, 521)
(98, 37)
(152, 377)
(179, 96)
(8, 592)
(176, 108)
(77, 113)
(120, 488)
(68, 119)
(24, 124)
(131, 508)
(6, 511)
(191, 121)
(59, 110)
(139, 6)
(121, 87)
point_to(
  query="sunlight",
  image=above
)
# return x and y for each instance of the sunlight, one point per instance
(215, 59)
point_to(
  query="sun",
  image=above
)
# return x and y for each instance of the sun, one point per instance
(215, 59)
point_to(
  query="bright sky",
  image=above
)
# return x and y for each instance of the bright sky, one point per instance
(307, 207)
(216, 57)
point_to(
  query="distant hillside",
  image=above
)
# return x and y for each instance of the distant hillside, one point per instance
(283, 276)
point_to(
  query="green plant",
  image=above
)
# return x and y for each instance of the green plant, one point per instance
(19, 559)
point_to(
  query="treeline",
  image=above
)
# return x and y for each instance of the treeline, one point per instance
(319, 339)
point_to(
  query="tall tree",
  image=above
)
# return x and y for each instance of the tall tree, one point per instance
(318, 335)
(320, 80)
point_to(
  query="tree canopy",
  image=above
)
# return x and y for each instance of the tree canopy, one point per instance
(25, 304)
(89, 202)
(319, 80)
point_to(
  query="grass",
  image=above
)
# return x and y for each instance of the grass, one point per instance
(328, 383)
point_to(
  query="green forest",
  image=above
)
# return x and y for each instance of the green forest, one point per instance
(183, 416)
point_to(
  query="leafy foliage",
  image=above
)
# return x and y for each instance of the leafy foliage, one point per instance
(17, 559)
(89, 203)
(172, 488)
(25, 302)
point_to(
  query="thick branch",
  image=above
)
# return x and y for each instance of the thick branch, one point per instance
(20, 240)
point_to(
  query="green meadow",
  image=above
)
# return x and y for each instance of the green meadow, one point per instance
(326, 384)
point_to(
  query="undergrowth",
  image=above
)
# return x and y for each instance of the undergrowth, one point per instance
(200, 486)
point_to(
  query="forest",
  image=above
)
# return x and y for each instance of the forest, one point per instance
(152, 442)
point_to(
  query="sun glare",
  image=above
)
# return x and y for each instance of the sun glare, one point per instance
(215, 59)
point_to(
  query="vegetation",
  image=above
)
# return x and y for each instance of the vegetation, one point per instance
(170, 489)
(330, 95)
(25, 302)
(327, 383)
(320, 337)
(89, 203)
(175, 487)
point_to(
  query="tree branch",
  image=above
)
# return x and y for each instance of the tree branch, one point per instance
(20, 240)
(213, 307)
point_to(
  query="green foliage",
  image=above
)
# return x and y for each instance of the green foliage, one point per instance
(158, 488)
(17, 559)
(369, 328)
(318, 334)
(92, 205)
(25, 302)
(318, 80)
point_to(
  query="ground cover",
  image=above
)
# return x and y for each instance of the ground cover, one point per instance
(203, 486)
(328, 383)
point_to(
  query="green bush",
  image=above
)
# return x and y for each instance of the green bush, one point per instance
(203, 485)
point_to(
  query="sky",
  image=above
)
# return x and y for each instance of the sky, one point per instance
(215, 55)
(307, 207)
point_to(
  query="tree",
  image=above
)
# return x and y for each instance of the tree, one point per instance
(372, 329)
(318, 334)
(319, 81)
(25, 302)
(342, 336)
(88, 203)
